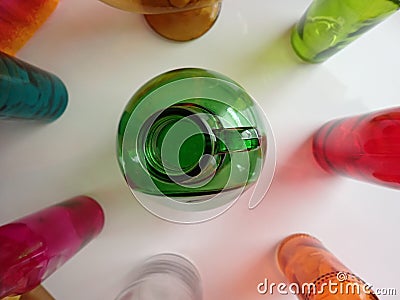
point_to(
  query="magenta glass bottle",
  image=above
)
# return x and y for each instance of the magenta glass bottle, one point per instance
(33, 247)
(364, 147)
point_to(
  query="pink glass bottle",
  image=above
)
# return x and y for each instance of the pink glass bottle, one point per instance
(365, 147)
(33, 247)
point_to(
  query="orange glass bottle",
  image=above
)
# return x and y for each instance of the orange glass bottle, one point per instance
(316, 274)
(19, 20)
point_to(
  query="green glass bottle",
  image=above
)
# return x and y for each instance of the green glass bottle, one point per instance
(191, 140)
(329, 25)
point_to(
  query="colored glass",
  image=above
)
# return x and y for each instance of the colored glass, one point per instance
(35, 246)
(178, 20)
(20, 19)
(329, 25)
(165, 276)
(38, 293)
(191, 136)
(316, 274)
(28, 92)
(365, 147)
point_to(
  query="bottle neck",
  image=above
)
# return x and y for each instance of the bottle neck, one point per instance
(179, 144)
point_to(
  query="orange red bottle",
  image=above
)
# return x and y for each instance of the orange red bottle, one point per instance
(20, 19)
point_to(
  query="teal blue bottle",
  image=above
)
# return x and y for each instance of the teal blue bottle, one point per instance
(27, 92)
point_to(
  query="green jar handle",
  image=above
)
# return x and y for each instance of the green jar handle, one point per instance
(238, 139)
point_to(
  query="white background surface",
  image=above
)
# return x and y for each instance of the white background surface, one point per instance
(104, 55)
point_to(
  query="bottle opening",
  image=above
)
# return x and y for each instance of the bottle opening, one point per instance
(178, 145)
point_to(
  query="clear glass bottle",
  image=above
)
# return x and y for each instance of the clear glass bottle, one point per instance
(329, 25)
(165, 276)
(193, 140)
(28, 92)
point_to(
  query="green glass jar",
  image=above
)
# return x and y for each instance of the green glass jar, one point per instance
(192, 140)
(329, 25)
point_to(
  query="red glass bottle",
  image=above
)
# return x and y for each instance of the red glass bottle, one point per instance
(33, 247)
(365, 147)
